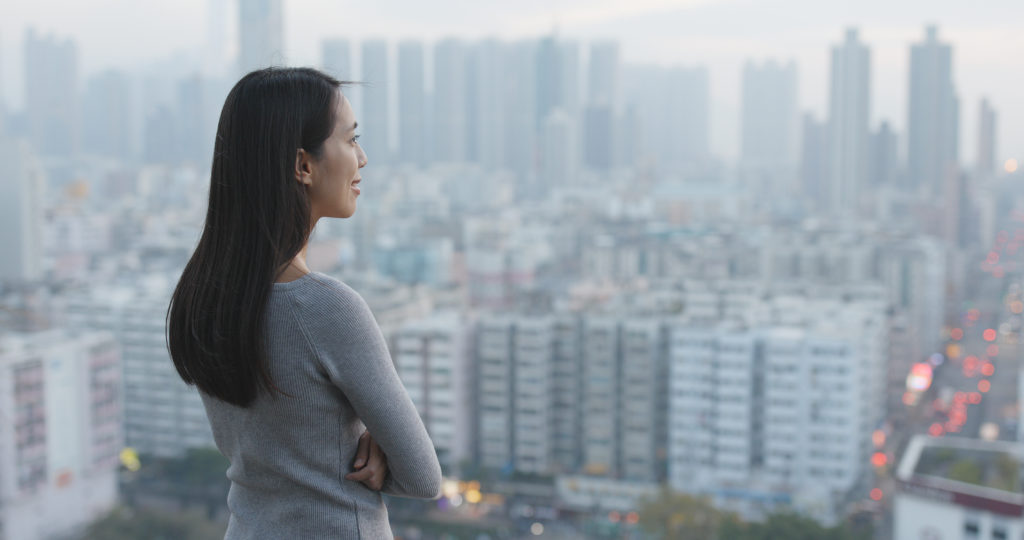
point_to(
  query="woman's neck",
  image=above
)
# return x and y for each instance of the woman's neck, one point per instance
(295, 268)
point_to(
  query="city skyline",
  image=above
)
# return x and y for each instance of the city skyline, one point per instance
(704, 33)
(750, 265)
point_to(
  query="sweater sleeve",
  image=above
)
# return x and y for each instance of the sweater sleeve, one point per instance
(354, 353)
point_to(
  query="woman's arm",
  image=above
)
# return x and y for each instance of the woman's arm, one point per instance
(354, 353)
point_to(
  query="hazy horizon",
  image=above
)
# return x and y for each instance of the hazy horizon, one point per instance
(721, 34)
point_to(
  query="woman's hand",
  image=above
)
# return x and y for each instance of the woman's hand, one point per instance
(371, 464)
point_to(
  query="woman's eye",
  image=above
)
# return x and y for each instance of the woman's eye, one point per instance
(355, 139)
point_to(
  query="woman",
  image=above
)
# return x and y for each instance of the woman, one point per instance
(290, 363)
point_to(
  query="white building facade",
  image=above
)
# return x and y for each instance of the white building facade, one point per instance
(778, 412)
(60, 434)
(431, 358)
(162, 415)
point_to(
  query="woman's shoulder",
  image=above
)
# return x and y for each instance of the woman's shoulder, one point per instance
(321, 295)
(333, 316)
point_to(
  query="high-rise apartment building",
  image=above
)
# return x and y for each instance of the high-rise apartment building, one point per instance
(769, 115)
(450, 136)
(849, 114)
(431, 357)
(60, 401)
(21, 212)
(493, 357)
(604, 75)
(987, 151)
(557, 78)
(375, 122)
(520, 109)
(565, 393)
(883, 157)
(599, 130)
(51, 94)
(778, 411)
(489, 117)
(557, 166)
(336, 58)
(932, 116)
(814, 160)
(162, 415)
(673, 105)
(106, 120)
(528, 392)
(260, 34)
(412, 104)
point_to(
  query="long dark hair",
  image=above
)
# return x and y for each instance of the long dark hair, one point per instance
(258, 219)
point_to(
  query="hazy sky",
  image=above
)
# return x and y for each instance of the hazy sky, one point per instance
(986, 35)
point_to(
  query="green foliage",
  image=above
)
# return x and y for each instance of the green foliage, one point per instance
(965, 471)
(196, 480)
(1007, 472)
(126, 524)
(675, 516)
(789, 526)
(199, 467)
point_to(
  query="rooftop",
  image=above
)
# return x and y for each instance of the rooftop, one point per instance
(984, 475)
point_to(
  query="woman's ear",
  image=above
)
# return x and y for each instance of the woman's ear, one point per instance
(303, 167)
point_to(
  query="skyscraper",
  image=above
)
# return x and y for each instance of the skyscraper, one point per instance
(933, 115)
(412, 135)
(193, 114)
(601, 113)
(260, 34)
(3, 102)
(769, 115)
(557, 77)
(450, 107)
(814, 160)
(883, 157)
(604, 77)
(598, 135)
(849, 114)
(987, 122)
(687, 123)
(520, 107)
(376, 118)
(471, 104)
(556, 150)
(672, 105)
(336, 58)
(215, 53)
(21, 212)
(106, 118)
(490, 82)
(51, 94)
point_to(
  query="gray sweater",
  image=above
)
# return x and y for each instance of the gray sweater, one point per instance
(289, 455)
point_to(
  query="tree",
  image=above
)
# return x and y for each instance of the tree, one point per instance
(196, 479)
(965, 471)
(132, 524)
(675, 516)
(786, 525)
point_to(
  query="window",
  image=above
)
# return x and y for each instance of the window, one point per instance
(971, 527)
